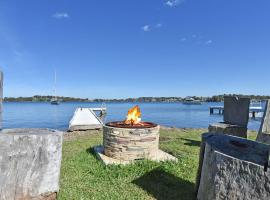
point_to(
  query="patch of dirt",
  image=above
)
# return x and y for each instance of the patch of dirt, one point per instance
(167, 128)
(75, 134)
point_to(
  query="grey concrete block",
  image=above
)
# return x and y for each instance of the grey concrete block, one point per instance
(30, 161)
(264, 131)
(236, 110)
(233, 168)
(229, 129)
(1, 97)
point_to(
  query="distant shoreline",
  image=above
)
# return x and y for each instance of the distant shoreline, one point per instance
(216, 98)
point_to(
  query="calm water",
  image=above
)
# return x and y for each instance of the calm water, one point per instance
(45, 115)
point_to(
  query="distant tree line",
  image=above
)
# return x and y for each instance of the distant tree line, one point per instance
(219, 98)
(39, 98)
(215, 98)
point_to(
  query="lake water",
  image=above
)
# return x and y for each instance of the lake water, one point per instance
(45, 115)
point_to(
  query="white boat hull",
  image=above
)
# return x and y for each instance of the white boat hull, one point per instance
(84, 119)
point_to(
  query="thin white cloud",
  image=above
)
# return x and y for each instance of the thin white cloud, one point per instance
(159, 25)
(208, 42)
(60, 15)
(196, 39)
(146, 28)
(183, 39)
(173, 3)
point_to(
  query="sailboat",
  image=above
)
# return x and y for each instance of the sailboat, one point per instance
(54, 100)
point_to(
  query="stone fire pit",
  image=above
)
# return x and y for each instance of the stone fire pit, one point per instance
(130, 143)
(123, 144)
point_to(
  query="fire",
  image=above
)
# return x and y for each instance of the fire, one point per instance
(133, 116)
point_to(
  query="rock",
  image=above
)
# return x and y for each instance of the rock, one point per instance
(30, 161)
(236, 111)
(264, 131)
(1, 96)
(229, 129)
(233, 168)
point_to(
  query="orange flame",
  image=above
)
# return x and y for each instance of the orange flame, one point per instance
(133, 116)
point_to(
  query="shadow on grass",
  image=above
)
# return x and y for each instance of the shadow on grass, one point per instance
(163, 185)
(190, 142)
(91, 150)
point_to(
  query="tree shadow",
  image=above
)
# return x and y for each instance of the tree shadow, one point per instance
(190, 142)
(163, 185)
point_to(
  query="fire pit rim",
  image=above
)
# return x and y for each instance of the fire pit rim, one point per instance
(150, 125)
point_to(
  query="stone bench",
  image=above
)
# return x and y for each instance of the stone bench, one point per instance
(236, 116)
(30, 161)
(232, 168)
(228, 129)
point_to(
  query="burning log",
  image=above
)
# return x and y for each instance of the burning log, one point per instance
(133, 116)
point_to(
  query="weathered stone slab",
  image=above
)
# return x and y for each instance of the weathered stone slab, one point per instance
(236, 110)
(1, 97)
(30, 161)
(229, 129)
(264, 131)
(233, 168)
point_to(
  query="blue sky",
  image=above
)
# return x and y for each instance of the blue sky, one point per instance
(132, 48)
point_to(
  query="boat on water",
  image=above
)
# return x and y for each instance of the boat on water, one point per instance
(54, 100)
(191, 101)
(86, 119)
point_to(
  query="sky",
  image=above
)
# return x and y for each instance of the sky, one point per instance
(134, 48)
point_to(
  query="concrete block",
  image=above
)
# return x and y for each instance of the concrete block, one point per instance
(30, 161)
(233, 168)
(236, 110)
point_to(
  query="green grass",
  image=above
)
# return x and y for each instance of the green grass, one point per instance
(83, 176)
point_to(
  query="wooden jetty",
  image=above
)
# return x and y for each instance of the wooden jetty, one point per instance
(220, 110)
(86, 119)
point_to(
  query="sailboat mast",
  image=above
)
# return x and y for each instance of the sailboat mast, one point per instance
(54, 100)
(54, 84)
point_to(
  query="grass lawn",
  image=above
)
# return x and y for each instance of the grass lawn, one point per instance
(83, 176)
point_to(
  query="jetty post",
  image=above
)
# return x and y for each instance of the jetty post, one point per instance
(1, 97)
